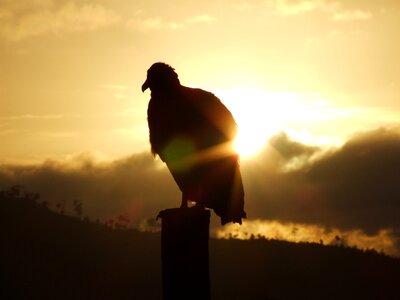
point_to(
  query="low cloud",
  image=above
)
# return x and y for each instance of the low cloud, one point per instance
(136, 185)
(292, 155)
(353, 189)
(384, 240)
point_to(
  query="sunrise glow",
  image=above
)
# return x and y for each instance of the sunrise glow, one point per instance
(260, 114)
(313, 86)
(258, 117)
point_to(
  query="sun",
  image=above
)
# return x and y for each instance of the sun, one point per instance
(259, 115)
(247, 144)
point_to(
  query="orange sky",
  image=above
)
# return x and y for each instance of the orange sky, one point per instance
(327, 73)
(71, 71)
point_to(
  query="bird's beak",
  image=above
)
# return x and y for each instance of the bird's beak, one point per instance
(145, 85)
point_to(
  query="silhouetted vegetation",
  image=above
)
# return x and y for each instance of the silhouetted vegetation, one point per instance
(46, 255)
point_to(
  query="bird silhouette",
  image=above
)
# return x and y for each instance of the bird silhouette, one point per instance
(193, 132)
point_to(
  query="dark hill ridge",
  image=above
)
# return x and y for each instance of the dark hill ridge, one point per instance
(45, 255)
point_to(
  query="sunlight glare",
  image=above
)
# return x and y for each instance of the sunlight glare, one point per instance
(259, 115)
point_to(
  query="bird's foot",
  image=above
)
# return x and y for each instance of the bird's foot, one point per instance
(184, 204)
(199, 206)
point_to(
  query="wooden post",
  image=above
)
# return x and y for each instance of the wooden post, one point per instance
(184, 253)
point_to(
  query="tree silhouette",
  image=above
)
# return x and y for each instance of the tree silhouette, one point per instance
(77, 204)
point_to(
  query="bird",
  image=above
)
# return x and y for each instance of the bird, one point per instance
(192, 132)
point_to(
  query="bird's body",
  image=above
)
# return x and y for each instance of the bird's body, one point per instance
(192, 132)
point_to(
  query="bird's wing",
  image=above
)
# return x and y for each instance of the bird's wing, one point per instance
(214, 113)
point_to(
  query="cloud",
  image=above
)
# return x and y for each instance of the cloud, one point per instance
(105, 188)
(334, 9)
(58, 134)
(290, 8)
(33, 117)
(157, 23)
(353, 189)
(35, 18)
(352, 15)
(202, 19)
(152, 23)
(243, 6)
(284, 8)
(116, 87)
(361, 180)
(146, 24)
(384, 240)
(289, 149)
(10, 132)
(291, 155)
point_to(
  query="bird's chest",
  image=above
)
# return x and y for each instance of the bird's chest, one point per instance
(174, 131)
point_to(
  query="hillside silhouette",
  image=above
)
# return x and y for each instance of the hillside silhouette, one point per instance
(47, 255)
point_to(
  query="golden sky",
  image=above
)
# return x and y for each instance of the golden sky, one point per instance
(71, 71)
(314, 86)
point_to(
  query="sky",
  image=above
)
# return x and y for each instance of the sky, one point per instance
(314, 86)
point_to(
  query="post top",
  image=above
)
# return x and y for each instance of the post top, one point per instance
(192, 213)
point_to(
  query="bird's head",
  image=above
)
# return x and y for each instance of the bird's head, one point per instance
(160, 77)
